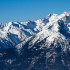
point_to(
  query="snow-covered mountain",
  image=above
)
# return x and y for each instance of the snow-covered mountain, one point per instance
(53, 27)
(15, 32)
(41, 44)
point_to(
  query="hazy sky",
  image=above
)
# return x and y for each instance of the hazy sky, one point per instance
(21, 10)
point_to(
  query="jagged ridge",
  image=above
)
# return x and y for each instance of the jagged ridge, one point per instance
(51, 33)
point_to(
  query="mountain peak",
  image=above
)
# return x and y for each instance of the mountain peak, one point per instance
(28, 21)
(52, 14)
(22, 30)
(33, 41)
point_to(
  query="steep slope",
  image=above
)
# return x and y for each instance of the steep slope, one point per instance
(15, 32)
(47, 50)
(52, 27)
(43, 57)
(36, 45)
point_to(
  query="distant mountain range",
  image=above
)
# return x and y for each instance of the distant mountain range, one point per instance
(43, 44)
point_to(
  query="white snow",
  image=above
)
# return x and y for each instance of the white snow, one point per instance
(23, 30)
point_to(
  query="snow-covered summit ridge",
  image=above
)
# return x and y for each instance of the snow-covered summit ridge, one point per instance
(15, 32)
(49, 46)
(52, 28)
(46, 39)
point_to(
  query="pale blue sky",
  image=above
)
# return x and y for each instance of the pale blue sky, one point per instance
(21, 10)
